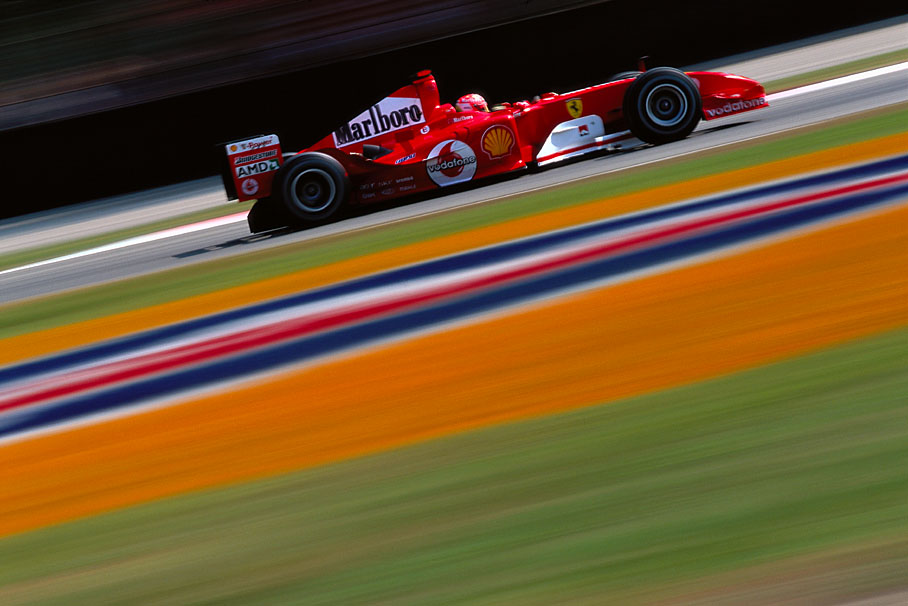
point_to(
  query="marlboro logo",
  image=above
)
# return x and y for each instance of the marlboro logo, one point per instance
(388, 115)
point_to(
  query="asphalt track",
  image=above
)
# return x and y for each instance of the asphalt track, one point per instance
(785, 113)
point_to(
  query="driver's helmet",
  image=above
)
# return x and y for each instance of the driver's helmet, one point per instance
(472, 102)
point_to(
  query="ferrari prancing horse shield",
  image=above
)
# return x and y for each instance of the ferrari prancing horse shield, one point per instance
(575, 107)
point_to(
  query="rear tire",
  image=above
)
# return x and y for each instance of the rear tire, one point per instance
(662, 105)
(312, 187)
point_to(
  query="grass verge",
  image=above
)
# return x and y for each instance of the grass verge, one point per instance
(763, 481)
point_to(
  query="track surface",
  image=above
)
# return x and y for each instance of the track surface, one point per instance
(786, 113)
(100, 216)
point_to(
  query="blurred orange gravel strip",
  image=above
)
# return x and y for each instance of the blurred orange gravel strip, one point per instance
(57, 339)
(753, 307)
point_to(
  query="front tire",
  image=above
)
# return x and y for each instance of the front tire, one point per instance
(312, 186)
(662, 105)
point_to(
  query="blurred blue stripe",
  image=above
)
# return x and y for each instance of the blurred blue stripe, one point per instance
(312, 347)
(467, 260)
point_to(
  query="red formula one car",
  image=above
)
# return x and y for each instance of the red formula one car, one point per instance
(409, 142)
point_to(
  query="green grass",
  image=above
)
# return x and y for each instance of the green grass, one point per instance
(57, 310)
(837, 71)
(784, 474)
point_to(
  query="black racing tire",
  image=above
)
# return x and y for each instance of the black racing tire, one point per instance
(662, 105)
(623, 76)
(312, 187)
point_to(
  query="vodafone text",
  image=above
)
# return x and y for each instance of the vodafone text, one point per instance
(737, 106)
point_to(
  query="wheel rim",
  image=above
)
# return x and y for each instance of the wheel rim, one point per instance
(313, 189)
(666, 105)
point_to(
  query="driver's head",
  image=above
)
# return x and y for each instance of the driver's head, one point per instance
(472, 102)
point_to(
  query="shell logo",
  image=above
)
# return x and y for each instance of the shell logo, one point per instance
(498, 141)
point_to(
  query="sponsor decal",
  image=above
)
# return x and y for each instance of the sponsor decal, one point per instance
(271, 153)
(424, 130)
(250, 186)
(498, 141)
(737, 106)
(405, 158)
(451, 162)
(375, 185)
(461, 119)
(575, 107)
(406, 188)
(387, 191)
(404, 179)
(388, 115)
(252, 144)
(584, 130)
(257, 168)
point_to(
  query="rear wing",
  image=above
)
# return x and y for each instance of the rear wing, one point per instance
(247, 166)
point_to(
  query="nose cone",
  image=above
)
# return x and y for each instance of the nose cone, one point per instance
(727, 94)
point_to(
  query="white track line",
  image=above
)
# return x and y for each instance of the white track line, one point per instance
(236, 218)
(158, 235)
(882, 71)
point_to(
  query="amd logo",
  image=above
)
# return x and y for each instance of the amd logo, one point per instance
(257, 168)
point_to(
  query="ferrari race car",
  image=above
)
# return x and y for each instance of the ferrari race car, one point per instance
(409, 142)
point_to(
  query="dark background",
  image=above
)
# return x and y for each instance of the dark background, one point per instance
(172, 140)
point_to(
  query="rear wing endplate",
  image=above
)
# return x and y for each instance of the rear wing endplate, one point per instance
(248, 166)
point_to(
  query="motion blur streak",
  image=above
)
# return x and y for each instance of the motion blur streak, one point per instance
(819, 288)
(347, 315)
(65, 337)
